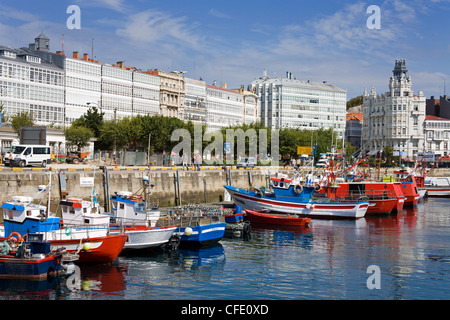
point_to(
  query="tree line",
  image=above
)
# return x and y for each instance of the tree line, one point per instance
(132, 133)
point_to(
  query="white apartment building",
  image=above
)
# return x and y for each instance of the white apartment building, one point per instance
(115, 90)
(290, 103)
(224, 108)
(195, 101)
(437, 136)
(29, 84)
(395, 118)
(83, 86)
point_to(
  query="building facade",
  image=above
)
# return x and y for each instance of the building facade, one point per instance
(172, 93)
(224, 108)
(437, 136)
(116, 90)
(353, 130)
(395, 118)
(30, 84)
(290, 103)
(195, 101)
(439, 107)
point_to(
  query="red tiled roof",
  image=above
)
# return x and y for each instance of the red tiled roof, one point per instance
(429, 117)
(354, 116)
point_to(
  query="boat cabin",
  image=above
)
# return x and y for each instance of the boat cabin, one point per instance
(131, 209)
(23, 216)
(76, 211)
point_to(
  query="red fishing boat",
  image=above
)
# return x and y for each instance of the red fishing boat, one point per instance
(276, 219)
(408, 185)
(384, 198)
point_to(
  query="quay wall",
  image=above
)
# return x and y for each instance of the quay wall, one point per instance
(192, 184)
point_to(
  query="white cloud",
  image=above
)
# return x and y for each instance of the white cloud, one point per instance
(219, 14)
(157, 27)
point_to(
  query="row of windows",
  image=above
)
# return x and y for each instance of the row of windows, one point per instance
(82, 83)
(31, 92)
(117, 89)
(83, 68)
(224, 95)
(46, 76)
(33, 74)
(117, 73)
(144, 93)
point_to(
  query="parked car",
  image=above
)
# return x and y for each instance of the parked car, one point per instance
(322, 163)
(247, 162)
(24, 155)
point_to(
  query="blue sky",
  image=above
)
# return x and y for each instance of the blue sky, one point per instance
(235, 41)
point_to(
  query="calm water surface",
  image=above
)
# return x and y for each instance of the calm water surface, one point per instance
(328, 260)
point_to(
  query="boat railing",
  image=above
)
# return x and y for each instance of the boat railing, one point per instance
(192, 215)
(368, 195)
(76, 230)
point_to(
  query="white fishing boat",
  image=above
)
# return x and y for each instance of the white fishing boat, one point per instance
(79, 212)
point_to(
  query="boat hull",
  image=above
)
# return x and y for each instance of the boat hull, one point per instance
(29, 269)
(93, 250)
(438, 192)
(202, 235)
(147, 238)
(274, 219)
(250, 201)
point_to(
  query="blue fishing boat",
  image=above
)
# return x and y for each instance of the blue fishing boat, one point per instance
(197, 225)
(288, 196)
(32, 259)
(200, 235)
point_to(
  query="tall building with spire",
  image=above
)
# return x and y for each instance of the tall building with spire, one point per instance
(395, 118)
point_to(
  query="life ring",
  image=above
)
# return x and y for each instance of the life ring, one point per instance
(360, 175)
(68, 231)
(298, 189)
(19, 237)
(317, 187)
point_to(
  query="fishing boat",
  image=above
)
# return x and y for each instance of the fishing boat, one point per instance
(31, 258)
(236, 226)
(276, 219)
(287, 196)
(198, 234)
(78, 212)
(94, 244)
(197, 225)
(384, 198)
(408, 185)
(432, 186)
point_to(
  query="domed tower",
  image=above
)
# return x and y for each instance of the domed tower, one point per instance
(400, 83)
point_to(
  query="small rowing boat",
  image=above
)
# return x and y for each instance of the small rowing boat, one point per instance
(276, 219)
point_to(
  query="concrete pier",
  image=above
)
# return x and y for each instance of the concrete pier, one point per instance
(194, 186)
(204, 186)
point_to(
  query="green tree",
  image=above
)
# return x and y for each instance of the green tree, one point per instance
(357, 101)
(78, 136)
(22, 119)
(93, 119)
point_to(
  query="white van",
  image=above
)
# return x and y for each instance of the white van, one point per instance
(24, 155)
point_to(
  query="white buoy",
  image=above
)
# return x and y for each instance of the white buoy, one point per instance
(188, 231)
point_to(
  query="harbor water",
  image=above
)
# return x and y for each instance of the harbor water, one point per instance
(330, 260)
